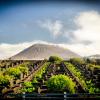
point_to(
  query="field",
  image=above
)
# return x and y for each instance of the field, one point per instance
(76, 77)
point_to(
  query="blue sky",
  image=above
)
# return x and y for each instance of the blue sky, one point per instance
(18, 23)
(49, 22)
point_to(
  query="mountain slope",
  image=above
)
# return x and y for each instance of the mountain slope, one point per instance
(43, 51)
(96, 56)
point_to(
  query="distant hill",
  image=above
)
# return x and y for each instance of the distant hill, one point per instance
(43, 51)
(96, 56)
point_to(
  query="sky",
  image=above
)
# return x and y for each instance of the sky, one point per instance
(74, 25)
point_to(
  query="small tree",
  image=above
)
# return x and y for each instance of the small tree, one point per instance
(24, 70)
(27, 87)
(61, 82)
(55, 59)
(14, 72)
(78, 61)
(4, 81)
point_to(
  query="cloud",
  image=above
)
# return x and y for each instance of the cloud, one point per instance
(54, 27)
(86, 38)
(88, 27)
(8, 50)
(85, 50)
(87, 35)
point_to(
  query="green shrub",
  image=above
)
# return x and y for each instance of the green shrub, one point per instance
(34, 80)
(61, 82)
(23, 69)
(78, 61)
(14, 72)
(4, 80)
(55, 59)
(27, 84)
(27, 87)
(28, 90)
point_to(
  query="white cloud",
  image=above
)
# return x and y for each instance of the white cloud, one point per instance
(8, 50)
(88, 30)
(85, 50)
(89, 26)
(54, 27)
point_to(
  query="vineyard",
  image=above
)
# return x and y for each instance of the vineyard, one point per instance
(73, 77)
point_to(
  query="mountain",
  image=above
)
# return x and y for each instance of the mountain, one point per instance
(43, 51)
(96, 56)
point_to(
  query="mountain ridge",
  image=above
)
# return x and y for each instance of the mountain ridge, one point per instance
(41, 51)
(94, 56)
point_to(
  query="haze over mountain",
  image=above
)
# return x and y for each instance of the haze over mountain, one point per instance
(43, 51)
